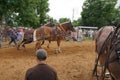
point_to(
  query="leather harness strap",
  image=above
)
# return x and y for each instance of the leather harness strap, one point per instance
(60, 27)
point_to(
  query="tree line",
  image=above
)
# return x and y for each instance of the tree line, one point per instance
(100, 13)
(33, 13)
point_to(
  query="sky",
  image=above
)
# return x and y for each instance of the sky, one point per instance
(66, 8)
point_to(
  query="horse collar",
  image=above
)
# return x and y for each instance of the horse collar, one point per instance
(60, 27)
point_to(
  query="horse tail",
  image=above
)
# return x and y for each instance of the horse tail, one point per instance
(34, 36)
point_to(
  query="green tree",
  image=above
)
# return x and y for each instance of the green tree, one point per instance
(61, 20)
(24, 12)
(77, 22)
(116, 19)
(7, 7)
(50, 19)
(42, 9)
(98, 12)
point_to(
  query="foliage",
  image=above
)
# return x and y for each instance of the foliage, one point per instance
(62, 20)
(24, 12)
(50, 19)
(98, 12)
(116, 19)
(77, 22)
(42, 9)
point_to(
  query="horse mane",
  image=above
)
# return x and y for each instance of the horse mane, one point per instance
(50, 24)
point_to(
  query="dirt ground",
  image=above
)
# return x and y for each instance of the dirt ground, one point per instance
(76, 61)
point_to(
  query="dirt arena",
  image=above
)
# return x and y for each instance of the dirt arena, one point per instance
(76, 61)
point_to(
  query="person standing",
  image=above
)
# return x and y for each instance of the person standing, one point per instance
(20, 37)
(79, 35)
(13, 36)
(41, 71)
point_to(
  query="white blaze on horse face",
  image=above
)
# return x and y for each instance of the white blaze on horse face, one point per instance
(34, 36)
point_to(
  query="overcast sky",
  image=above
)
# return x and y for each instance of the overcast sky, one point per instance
(64, 8)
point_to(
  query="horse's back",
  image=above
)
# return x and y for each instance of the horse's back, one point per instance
(44, 31)
(102, 35)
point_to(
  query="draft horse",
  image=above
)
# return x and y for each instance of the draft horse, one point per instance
(108, 49)
(28, 36)
(52, 34)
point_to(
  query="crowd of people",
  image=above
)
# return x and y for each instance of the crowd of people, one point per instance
(42, 71)
(81, 34)
(15, 36)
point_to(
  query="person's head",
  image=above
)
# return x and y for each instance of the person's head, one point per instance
(41, 54)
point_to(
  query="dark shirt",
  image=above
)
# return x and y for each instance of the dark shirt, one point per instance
(13, 34)
(41, 72)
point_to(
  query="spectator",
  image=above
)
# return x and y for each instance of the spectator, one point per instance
(20, 36)
(79, 35)
(91, 32)
(13, 36)
(41, 71)
(74, 36)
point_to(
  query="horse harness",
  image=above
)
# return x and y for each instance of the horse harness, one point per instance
(115, 45)
(58, 31)
(60, 27)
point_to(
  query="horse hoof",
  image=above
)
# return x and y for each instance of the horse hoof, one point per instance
(57, 51)
(23, 46)
(48, 47)
(18, 48)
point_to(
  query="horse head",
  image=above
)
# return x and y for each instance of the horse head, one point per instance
(68, 26)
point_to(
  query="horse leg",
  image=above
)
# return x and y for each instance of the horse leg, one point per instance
(43, 42)
(23, 44)
(26, 41)
(48, 46)
(18, 46)
(58, 43)
(38, 45)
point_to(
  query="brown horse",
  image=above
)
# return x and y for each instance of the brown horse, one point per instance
(27, 38)
(52, 34)
(107, 47)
